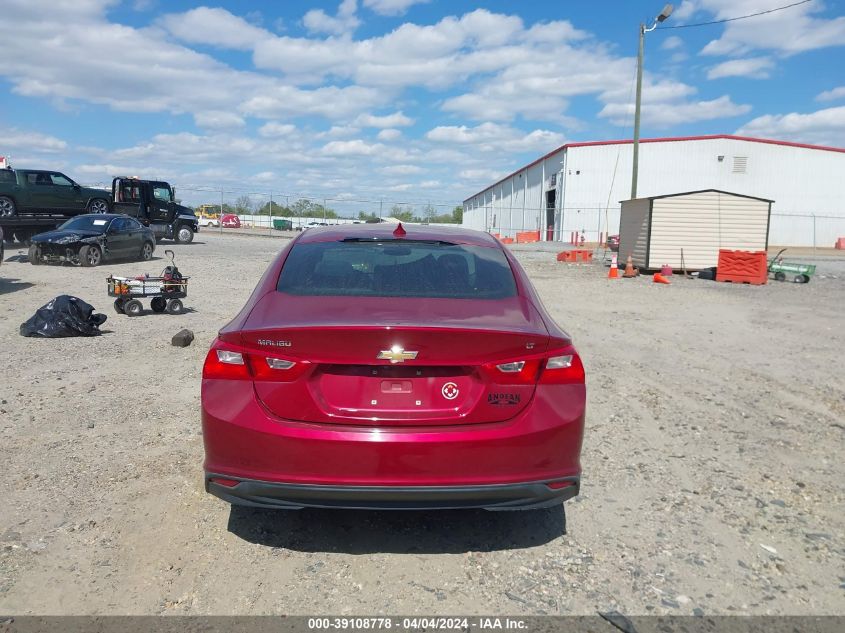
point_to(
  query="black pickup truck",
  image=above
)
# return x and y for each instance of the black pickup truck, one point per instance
(153, 203)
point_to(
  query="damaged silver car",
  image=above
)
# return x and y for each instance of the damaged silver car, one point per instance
(90, 240)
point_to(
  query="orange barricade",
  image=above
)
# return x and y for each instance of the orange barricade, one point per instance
(742, 267)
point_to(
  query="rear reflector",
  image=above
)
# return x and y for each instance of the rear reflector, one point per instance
(229, 483)
(557, 485)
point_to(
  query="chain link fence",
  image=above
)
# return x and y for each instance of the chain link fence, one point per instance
(819, 229)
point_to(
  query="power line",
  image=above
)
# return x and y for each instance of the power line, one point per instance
(742, 17)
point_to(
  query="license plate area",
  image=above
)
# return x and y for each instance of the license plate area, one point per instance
(393, 392)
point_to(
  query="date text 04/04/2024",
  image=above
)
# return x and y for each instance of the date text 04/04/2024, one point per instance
(416, 623)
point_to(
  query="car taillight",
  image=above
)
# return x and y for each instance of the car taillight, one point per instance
(520, 372)
(275, 369)
(231, 362)
(564, 367)
(561, 367)
(222, 361)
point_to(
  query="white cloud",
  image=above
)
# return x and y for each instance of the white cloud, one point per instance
(104, 172)
(339, 131)
(665, 115)
(218, 120)
(391, 7)
(388, 135)
(684, 11)
(14, 140)
(671, 43)
(329, 101)
(53, 55)
(464, 134)
(790, 31)
(355, 147)
(401, 170)
(481, 175)
(831, 95)
(397, 119)
(264, 176)
(490, 137)
(436, 55)
(214, 27)
(826, 127)
(753, 68)
(345, 21)
(274, 129)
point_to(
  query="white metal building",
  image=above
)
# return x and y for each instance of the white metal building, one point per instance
(579, 186)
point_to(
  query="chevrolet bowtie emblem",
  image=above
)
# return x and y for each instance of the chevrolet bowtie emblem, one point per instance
(396, 355)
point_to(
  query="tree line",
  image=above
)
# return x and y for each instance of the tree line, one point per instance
(303, 208)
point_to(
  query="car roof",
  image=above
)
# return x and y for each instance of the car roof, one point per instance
(385, 231)
(104, 216)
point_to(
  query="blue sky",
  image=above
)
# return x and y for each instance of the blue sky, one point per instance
(402, 100)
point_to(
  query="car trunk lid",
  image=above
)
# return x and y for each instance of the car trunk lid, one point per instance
(380, 362)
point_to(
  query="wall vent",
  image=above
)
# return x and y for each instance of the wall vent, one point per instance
(740, 164)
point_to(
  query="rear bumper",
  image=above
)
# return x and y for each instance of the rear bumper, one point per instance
(267, 494)
(284, 463)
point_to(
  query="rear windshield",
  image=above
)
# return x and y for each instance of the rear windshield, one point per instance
(398, 268)
(87, 223)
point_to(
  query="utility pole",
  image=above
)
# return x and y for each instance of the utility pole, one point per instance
(667, 11)
(637, 113)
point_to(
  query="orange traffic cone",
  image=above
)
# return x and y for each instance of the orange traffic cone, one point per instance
(630, 271)
(660, 279)
(614, 272)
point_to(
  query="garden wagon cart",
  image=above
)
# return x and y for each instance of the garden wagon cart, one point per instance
(800, 273)
(166, 291)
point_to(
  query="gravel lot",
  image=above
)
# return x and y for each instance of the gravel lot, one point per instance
(713, 468)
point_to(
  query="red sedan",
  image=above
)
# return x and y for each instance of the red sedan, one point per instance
(230, 221)
(393, 369)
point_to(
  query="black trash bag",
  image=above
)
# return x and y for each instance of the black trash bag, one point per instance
(707, 273)
(63, 316)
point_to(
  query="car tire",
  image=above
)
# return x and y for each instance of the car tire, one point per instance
(7, 207)
(98, 205)
(133, 307)
(158, 304)
(184, 234)
(174, 306)
(90, 256)
(118, 305)
(147, 251)
(34, 255)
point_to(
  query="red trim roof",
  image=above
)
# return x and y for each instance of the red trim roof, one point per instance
(710, 137)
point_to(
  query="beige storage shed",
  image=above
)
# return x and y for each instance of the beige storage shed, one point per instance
(653, 231)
